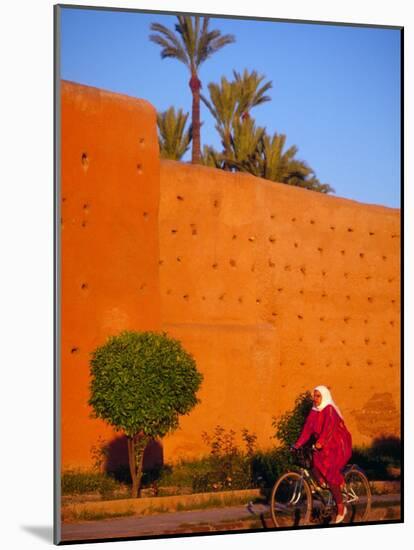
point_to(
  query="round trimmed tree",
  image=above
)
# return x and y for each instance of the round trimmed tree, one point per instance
(141, 383)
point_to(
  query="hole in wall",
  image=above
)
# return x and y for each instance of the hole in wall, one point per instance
(193, 229)
(332, 228)
(365, 321)
(350, 230)
(272, 216)
(169, 291)
(295, 245)
(361, 255)
(370, 299)
(221, 297)
(287, 267)
(141, 141)
(301, 291)
(368, 277)
(274, 314)
(216, 203)
(348, 297)
(203, 298)
(234, 237)
(366, 340)
(240, 299)
(180, 198)
(343, 342)
(384, 258)
(252, 269)
(321, 318)
(173, 231)
(186, 296)
(74, 350)
(84, 286)
(312, 222)
(160, 262)
(215, 265)
(84, 161)
(371, 233)
(346, 275)
(320, 249)
(63, 199)
(346, 319)
(293, 219)
(302, 269)
(252, 238)
(146, 215)
(323, 295)
(348, 363)
(142, 286)
(258, 301)
(392, 323)
(139, 168)
(271, 264)
(280, 289)
(394, 236)
(232, 263)
(272, 239)
(323, 273)
(84, 223)
(321, 339)
(369, 362)
(343, 252)
(179, 258)
(300, 317)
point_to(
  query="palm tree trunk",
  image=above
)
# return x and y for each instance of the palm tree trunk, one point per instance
(195, 86)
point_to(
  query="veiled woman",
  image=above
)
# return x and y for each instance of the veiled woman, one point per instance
(333, 444)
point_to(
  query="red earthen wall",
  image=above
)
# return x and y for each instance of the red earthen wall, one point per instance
(272, 288)
(109, 242)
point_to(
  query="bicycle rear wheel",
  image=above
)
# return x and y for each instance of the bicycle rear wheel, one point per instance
(357, 495)
(291, 501)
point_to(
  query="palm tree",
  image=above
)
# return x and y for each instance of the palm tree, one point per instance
(192, 44)
(250, 92)
(282, 166)
(223, 107)
(173, 138)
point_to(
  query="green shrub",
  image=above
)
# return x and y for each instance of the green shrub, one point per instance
(141, 383)
(290, 424)
(76, 482)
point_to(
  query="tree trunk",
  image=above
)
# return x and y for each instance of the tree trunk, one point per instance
(195, 86)
(136, 448)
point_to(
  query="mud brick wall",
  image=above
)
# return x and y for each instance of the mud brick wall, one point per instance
(272, 288)
(276, 289)
(109, 238)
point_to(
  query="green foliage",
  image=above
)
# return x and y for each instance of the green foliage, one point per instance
(381, 460)
(141, 382)
(247, 147)
(77, 482)
(173, 137)
(290, 424)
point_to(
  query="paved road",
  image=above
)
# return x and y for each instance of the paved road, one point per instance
(211, 519)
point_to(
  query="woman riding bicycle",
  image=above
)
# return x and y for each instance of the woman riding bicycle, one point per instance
(333, 444)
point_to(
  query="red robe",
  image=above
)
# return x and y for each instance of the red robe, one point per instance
(330, 431)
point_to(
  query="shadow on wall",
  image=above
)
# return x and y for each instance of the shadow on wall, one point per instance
(116, 461)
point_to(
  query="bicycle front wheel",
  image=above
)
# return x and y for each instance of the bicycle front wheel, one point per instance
(291, 501)
(357, 495)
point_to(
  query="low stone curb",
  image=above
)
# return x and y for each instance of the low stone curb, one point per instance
(157, 505)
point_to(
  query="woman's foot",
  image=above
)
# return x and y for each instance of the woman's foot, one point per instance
(341, 514)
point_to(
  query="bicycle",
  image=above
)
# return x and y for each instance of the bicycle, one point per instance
(298, 499)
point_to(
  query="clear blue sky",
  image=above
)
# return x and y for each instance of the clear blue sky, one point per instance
(336, 89)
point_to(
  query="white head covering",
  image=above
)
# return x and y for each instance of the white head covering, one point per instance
(326, 400)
